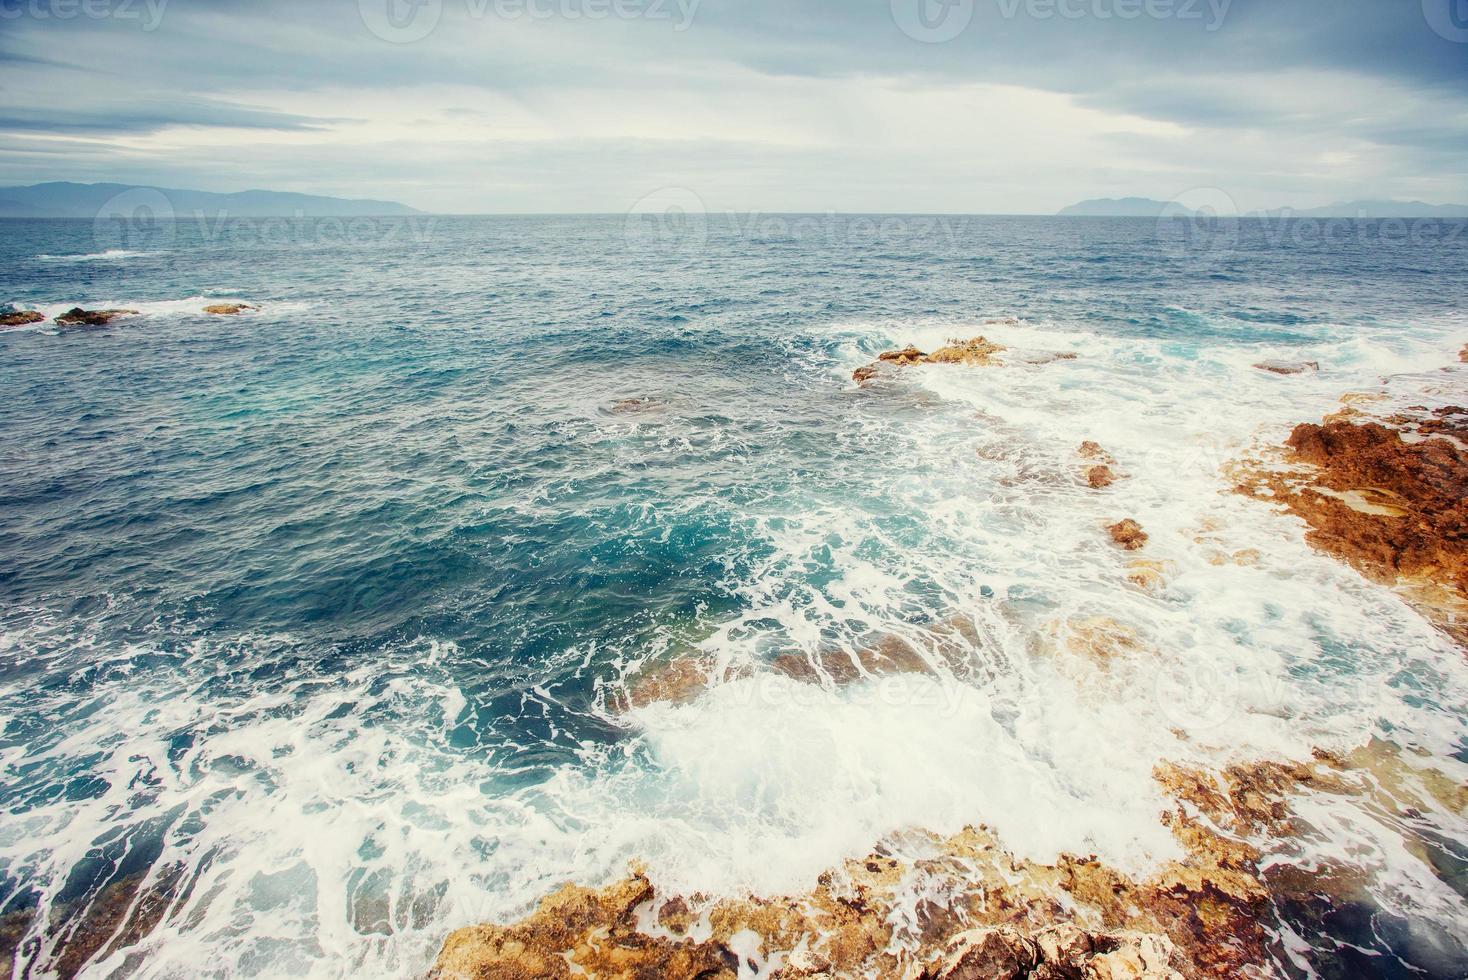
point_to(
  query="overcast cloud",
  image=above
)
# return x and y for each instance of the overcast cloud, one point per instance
(1005, 106)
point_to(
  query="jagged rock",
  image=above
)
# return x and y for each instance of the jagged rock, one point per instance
(1288, 367)
(1092, 450)
(1463, 354)
(977, 351)
(1001, 916)
(11, 317)
(1394, 509)
(1100, 477)
(78, 317)
(228, 309)
(576, 932)
(908, 355)
(864, 374)
(1128, 534)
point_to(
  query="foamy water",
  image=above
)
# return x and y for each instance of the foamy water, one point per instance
(328, 652)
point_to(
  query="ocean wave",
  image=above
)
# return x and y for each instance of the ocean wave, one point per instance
(110, 255)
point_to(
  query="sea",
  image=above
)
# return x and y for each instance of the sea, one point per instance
(318, 622)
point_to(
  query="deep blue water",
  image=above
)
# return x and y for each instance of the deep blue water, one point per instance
(376, 553)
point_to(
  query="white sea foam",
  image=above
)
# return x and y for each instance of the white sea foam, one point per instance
(328, 847)
(189, 306)
(110, 255)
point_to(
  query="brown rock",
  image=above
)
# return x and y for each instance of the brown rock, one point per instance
(1128, 534)
(864, 374)
(1288, 367)
(1394, 509)
(1463, 354)
(228, 309)
(977, 351)
(908, 355)
(1100, 477)
(20, 318)
(78, 317)
(1092, 450)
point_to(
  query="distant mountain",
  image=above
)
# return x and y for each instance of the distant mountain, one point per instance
(1372, 209)
(67, 200)
(1145, 207)
(1123, 207)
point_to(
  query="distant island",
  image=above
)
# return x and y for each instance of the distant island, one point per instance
(1146, 207)
(1124, 207)
(67, 200)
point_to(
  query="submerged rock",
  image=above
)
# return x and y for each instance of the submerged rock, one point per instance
(1463, 354)
(78, 317)
(1093, 450)
(1288, 367)
(1100, 477)
(864, 374)
(228, 309)
(1149, 575)
(1128, 534)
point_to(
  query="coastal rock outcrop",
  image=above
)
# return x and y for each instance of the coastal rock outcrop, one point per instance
(966, 910)
(1395, 509)
(11, 317)
(1100, 476)
(78, 317)
(977, 351)
(1129, 534)
(228, 309)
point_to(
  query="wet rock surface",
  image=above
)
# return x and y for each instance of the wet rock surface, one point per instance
(1128, 534)
(78, 317)
(967, 909)
(228, 309)
(1396, 509)
(11, 317)
(1101, 476)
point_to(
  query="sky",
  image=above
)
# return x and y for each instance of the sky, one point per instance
(952, 106)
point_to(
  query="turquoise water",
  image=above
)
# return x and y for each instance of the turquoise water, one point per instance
(315, 620)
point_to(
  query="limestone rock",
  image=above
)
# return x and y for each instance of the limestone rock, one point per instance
(1128, 534)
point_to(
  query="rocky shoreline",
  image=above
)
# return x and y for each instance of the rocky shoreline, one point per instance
(1388, 495)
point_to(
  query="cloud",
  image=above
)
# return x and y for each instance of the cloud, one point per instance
(803, 104)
